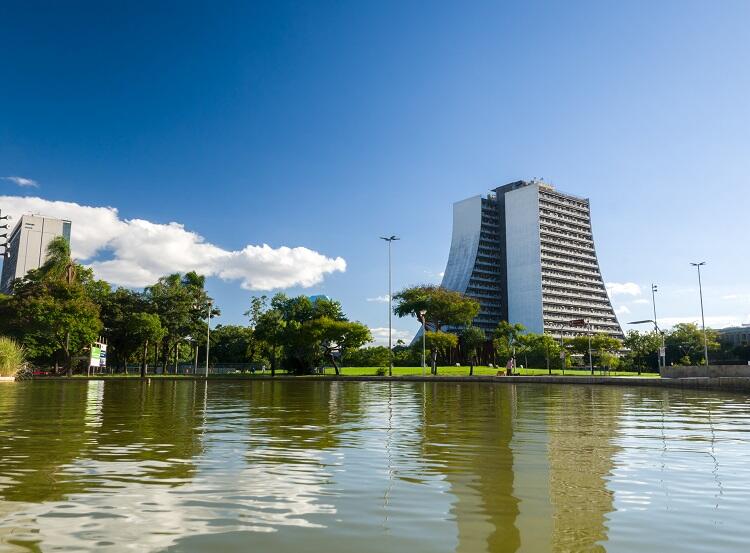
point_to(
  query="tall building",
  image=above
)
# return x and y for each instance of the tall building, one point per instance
(26, 248)
(526, 254)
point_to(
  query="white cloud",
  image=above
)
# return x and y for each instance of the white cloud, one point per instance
(739, 298)
(714, 321)
(22, 181)
(137, 252)
(623, 289)
(622, 310)
(379, 299)
(380, 336)
(641, 301)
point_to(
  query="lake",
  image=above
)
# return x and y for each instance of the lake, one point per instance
(166, 465)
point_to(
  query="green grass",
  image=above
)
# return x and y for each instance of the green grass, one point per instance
(11, 357)
(481, 371)
(407, 371)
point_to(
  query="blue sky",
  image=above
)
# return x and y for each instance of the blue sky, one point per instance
(323, 125)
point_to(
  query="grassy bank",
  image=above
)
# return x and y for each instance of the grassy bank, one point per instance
(413, 371)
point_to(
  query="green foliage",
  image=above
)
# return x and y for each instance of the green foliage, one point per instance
(12, 356)
(643, 349)
(442, 306)
(506, 336)
(685, 344)
(373, 356)
(230, 343)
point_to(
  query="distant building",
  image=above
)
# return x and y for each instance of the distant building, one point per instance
(26, 248)
(735, 335)
(317, 297)
(526, 254)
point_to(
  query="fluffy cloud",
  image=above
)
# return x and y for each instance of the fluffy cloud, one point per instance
(380, 336)
(714, 321)
(379, 299)
(22, 181)
(136, 252)
(623, 289)
(622, 310)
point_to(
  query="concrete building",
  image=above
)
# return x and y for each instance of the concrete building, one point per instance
(26, 248)
(735, 335)
(526, 254)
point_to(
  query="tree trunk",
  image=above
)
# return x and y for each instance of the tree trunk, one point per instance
(434, 363)
(335, 366)
(68, 358)
(273, 364)
(471, 367)
(144, 363)
(549, 369)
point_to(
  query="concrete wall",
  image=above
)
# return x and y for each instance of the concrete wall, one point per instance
(713, 371)
(524, 258)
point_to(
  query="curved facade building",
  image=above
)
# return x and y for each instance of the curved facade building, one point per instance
(526, 253)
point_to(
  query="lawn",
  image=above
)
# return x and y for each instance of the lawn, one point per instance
(481, 371)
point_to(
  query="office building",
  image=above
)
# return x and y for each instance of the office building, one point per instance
(26, 248)
(526, 253)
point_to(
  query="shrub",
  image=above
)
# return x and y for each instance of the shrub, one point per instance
(11, 357)
(380, 371)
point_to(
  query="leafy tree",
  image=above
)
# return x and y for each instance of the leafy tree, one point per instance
(230, 343)
(443, 307)
(685, 343)
(144, 329)
(644, 348)
(439, 343)
(117, 309)
(472, 339)
(271, 330)
(506, 336)
(373, 356)
(542, 346)
(336, 336)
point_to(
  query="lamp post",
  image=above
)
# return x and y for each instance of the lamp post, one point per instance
(390, 240)
(208, 335)
(422, 314)
(703, 319)
(662, 353)
(654, 290)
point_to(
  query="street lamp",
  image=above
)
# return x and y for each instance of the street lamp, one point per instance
(208, 335)
(422, 314)
(390, 240)
(703, 319)
(662, 361)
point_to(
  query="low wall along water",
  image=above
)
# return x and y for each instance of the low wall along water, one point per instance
(701, 371)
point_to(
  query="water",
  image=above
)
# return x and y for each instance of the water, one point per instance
(370, 467)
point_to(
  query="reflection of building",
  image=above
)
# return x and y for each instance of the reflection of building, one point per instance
(27, 246)
(526, 253)
(735, 335)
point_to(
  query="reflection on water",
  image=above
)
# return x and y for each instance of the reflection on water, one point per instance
(320, 466)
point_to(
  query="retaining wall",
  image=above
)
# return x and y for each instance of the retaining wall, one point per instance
(701, 371)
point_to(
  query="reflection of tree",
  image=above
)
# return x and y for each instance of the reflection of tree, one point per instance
(155, 423)
(467, 435)
(582, 427)
(41, 431)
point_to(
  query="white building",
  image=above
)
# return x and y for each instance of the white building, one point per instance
(26, 247)
(526, 253)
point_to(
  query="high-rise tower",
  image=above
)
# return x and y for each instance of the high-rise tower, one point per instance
(26, 248)
(526, 254)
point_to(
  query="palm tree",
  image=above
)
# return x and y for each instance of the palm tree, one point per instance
(60, 267)
(59, 264)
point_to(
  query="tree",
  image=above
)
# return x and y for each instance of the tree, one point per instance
(442, 306)
(506, 336)
(53, 316)
(642, 345)
(230, 343)
(685, 343)
(472, 339)
(439, 343)
(144, 329)
(335, 336)
(271, 330)
(373, 356)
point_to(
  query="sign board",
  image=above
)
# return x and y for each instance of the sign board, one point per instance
(662, 352)
(98, 355)
(577, 322)
(562, 355)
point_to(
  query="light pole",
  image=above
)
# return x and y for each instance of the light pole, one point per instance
(208, 335)
(591, 362)
(663, 362)
(703, 319)
(654, 290)
(390, 303)
(422, 313)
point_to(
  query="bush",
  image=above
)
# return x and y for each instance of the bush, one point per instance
(380, 371)
(11, 357)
